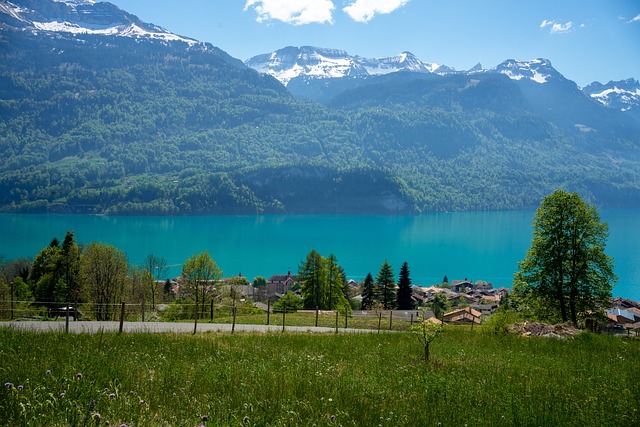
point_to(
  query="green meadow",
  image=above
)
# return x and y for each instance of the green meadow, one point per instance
(285, 379)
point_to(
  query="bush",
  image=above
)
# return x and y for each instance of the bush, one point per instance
(498, 323)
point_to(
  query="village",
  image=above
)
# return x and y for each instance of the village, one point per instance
(467, 302)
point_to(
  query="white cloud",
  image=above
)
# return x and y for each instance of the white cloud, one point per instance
(365, 10)
(297, 12)
(636, 19)
(557, 27)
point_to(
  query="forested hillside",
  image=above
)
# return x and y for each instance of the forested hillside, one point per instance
(115, 125)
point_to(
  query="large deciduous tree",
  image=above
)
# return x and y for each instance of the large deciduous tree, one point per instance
(566, 274)
(104, 271)
(405, 302)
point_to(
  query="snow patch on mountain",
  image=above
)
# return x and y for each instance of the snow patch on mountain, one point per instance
(320, 63)
(537, 70)
(622, 95)
(85, 17)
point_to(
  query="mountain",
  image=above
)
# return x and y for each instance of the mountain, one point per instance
(81, 17)
(96, 117)
(537, 70)
(621, 95)
(320, 63)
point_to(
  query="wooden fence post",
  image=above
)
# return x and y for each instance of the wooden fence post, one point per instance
(211, 311)
(284, 312)
(337, 314)
(122, 317)
(346, 318)
(233, 326)
(379, 321)
(317, 317)
(268, 312)
(391, 320)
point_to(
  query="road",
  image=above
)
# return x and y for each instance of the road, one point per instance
(164, 327)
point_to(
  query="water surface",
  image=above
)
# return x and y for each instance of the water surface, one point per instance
(473, 245)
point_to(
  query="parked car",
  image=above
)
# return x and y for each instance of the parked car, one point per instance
(62, 312)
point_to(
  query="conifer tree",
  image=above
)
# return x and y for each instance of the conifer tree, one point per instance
(368, 293)
(386, 285)
(405, 302)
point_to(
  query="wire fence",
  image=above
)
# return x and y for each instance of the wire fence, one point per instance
(212, 312)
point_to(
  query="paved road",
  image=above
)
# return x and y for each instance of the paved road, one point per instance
(160, 327)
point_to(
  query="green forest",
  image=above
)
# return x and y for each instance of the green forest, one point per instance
(146, 127)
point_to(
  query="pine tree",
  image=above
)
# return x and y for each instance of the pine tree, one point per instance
(312, 276)
(368, 293)
(386, 285)
(405, 302)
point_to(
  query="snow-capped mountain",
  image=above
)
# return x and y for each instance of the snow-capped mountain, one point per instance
(321, 63)
(537, 70)
(80, 17)
(406, 61)
(291, 62)
(622, 95)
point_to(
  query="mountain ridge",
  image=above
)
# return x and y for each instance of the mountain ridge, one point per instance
(128, 123)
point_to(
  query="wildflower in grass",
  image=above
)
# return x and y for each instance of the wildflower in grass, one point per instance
(142, 401)
(20, 387)
(112, 395)
(205, 418)
(8, 385)
(48, 373)
(97, 417)
(63, 394)
(245, 420)
(79, 376)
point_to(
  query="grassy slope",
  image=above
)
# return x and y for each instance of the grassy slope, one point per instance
(285, 379)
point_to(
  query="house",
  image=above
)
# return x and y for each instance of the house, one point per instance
(461, 285)
(463, 315)
(281, 283)
(622, 317)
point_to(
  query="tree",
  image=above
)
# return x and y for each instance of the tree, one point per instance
(386, 284)
(311, 278)
(288, 303)
(157, 268)
(566, 275)
(368, 293)
(322, 283)
(439, 305)
(70, 266)
(259, 288)
(104, 271)
(236, 283)
(200, 273)
(405, 302)
(427, 331)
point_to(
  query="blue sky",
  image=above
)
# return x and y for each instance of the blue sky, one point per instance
(586, 40)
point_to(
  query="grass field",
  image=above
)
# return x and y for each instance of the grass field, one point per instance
(309, 379)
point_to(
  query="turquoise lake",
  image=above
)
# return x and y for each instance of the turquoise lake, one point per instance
(473, 245)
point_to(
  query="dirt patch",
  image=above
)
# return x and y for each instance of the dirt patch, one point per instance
(539, 329)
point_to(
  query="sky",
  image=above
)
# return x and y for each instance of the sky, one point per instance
(585, 40)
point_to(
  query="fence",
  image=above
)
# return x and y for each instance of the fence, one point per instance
(211, 313)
